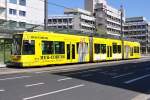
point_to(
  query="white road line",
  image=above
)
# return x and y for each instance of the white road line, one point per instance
(136, 79)
(34, 84)
(53, 92)
(122, 75)
(2, 90)
(11, 78)
(64, 79)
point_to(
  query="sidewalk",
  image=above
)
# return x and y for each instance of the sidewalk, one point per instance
(145, 55)
(2, 65)
(64, 68)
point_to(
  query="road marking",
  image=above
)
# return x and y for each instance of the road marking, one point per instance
(136, 79)
(122, 75)
(64, 79)
(11, 78)
(34, 84)
(53, 92)
(2, 90)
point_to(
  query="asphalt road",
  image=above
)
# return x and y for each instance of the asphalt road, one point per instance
(116, 82)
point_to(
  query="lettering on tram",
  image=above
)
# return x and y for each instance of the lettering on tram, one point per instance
(53, 57)
(38, 37)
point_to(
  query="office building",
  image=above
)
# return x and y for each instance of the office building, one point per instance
(108, 19)
(73, 19)
(18, 13)
(138, 28)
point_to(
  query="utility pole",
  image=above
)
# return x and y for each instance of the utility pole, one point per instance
(121, 31)
(45, 15)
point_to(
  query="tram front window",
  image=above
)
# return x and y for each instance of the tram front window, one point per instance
(16, 45)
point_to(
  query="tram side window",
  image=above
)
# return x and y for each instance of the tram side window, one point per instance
(119, 48)
(59, 47)
(131, 51)
(28, 47)
(103, 48)
(115, 48)
(47, 47)
(77, 46)
(136, 49)
(97, 48)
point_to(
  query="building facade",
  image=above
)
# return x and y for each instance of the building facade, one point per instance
(19, 12)
(74, 19)
(138, 28)
(90, 4)
(108, 19)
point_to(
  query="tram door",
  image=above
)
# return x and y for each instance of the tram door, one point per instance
(127, 52)
(71, 55)
(109, 52)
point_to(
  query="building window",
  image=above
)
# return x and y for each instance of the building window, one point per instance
(13, 1)
(12, 11)
(22, 2)
(22, 13)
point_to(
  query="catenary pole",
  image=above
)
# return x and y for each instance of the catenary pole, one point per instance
(121, 31)
(45, 15)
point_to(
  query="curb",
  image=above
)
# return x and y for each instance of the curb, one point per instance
(64, 68)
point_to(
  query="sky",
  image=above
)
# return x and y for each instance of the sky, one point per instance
(132, 7)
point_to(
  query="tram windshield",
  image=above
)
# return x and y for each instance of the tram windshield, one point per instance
(16, 45)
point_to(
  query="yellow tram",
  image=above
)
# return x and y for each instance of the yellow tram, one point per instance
(30, 49)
